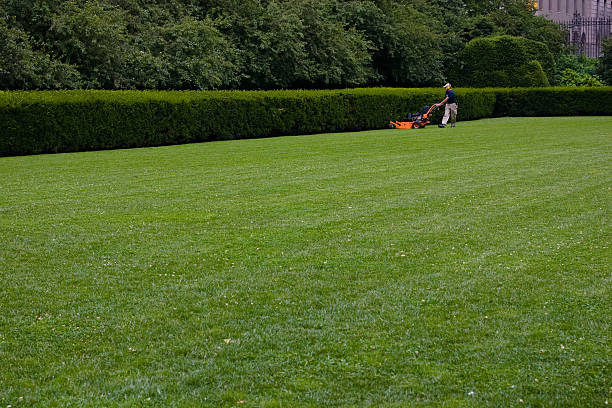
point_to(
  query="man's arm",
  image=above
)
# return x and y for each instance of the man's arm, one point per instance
(442, 103)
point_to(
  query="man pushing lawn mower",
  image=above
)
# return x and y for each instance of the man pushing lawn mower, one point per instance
(451, 106)
(420, 120)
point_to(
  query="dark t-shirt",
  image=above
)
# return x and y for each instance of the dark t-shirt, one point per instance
(450, 94)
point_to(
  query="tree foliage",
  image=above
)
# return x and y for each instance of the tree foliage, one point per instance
(22, 67)
(250, 44)
(90, 36)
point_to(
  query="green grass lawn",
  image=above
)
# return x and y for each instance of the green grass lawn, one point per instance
(435, 267)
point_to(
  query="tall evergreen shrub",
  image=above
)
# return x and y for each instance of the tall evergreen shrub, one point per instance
(505, 61)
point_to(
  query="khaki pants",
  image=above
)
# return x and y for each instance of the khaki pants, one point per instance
(450, 110)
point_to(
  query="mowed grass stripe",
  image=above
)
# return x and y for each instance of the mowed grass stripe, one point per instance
(466, 266)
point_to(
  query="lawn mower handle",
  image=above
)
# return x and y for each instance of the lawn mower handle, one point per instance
(432, 108)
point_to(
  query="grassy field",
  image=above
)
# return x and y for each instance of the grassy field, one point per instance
(439, 267)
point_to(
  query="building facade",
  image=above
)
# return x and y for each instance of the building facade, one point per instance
(564, 10)
(588, 22)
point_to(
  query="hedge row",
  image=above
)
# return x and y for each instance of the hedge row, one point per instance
(68, 121)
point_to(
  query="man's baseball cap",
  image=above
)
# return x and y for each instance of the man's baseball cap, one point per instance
(448, 85)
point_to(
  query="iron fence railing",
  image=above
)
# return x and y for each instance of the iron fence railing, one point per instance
(585, 35)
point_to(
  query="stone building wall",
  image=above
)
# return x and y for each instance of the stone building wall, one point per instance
(564, 10)
(588, 22)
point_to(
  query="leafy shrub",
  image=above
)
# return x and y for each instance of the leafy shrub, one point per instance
(605, 62)
(579, 63)
(569, 77)
(576, 70)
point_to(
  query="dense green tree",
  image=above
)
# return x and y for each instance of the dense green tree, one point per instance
(475, 27)
(22, 67)
(337, 56)
(294, 44)
(32, 16)
(144, 70)
(493, 6)
(195, 54)
(517, 19)
(252, 44)
(92, 37)
(268, 42)
(540, 29)
(407, 50)
(414, 53)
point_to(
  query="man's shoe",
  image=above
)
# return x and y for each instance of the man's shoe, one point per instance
(453, 125)
(441, 125)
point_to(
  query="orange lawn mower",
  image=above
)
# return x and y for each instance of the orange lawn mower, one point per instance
(415, 120)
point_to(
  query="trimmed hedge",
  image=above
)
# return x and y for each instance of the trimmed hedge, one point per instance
(68, 121)
(574, 101)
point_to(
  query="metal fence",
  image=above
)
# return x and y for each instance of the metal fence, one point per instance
(586, 35)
